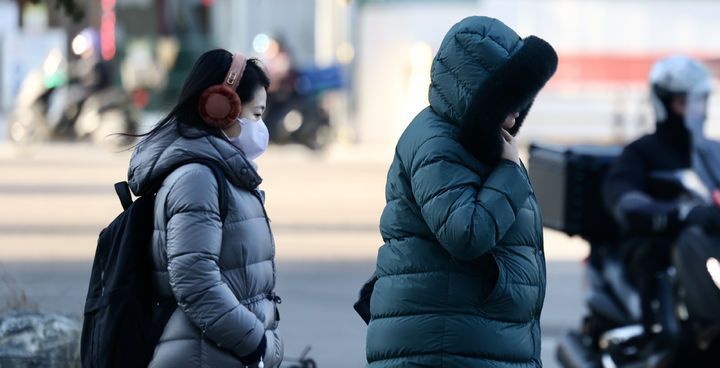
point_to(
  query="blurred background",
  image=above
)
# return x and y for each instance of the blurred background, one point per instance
(347, 77)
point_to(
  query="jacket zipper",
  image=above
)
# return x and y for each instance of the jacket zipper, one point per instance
(202, 344)
(540, 259)
(275, 299)
(267, 221)
(539, 253)
(540, 247)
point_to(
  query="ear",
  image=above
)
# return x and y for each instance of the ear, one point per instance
(232, 131)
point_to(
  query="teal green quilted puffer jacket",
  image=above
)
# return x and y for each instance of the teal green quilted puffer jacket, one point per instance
(461, 276)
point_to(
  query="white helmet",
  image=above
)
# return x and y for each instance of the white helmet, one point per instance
(677, 75)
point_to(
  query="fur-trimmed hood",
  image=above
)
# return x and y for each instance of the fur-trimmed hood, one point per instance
(483, 72)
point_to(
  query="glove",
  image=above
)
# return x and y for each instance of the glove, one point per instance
(362, 306)
(707, 217)
(256, 355)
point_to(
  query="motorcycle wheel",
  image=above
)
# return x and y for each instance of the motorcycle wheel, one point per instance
(109, 132)
(28, 128)
(314, 130)
(321, 138)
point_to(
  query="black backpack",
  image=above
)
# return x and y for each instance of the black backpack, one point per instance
(123, 317)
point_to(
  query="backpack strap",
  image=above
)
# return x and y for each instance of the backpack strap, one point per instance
(123, 192)
(216, 170)
(219, 177)
(222, 185)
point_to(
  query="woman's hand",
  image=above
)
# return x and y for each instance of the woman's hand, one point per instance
(510, 149)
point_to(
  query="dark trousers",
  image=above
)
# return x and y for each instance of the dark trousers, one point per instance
(646, 258)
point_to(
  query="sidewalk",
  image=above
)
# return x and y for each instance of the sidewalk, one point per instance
(324, 205)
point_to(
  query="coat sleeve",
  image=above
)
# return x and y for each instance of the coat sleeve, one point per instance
(626, 198)
(467, 215)
(628, 174)
(194, 240)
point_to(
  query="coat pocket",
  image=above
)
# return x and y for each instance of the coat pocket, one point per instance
(496, 279)
(514, 298)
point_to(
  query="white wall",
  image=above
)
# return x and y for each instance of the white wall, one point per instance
(21, 53)
(237, 22)
(627, 26)
(385, 87)
(8, 25)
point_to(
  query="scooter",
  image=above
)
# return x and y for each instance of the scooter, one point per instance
(69, 111)
(297, 114)
(611, 334)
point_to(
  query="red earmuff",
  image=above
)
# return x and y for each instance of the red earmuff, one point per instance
(220, 105)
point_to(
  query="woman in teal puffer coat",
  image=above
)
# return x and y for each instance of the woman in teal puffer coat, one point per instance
(461, 276)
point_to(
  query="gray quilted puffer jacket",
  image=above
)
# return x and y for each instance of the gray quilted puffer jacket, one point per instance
(222, 274)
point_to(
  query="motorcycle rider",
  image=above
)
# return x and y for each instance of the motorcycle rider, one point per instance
(89, 75)
(652, 217)
(90, 70)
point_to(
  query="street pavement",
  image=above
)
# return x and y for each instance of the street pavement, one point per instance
(55, 198)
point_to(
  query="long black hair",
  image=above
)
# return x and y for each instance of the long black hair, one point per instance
(209, 69)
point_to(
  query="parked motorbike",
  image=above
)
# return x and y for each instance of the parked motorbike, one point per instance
(297, 97)
(297, 114)
(50, 106)
(568, 182)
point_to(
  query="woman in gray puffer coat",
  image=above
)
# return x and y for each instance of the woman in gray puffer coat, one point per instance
(220, 271)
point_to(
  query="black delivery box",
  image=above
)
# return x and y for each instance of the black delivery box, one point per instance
(568, 182)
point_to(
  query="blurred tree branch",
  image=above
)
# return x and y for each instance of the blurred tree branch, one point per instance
(71, 8)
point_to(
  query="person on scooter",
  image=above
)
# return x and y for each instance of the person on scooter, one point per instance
(90, 70)
(651, 217)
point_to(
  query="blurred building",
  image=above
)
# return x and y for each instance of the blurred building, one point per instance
(26, 48)
(309, 34)
(385, 48)
(606, 49)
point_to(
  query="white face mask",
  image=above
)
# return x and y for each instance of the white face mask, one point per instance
(253, 139)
